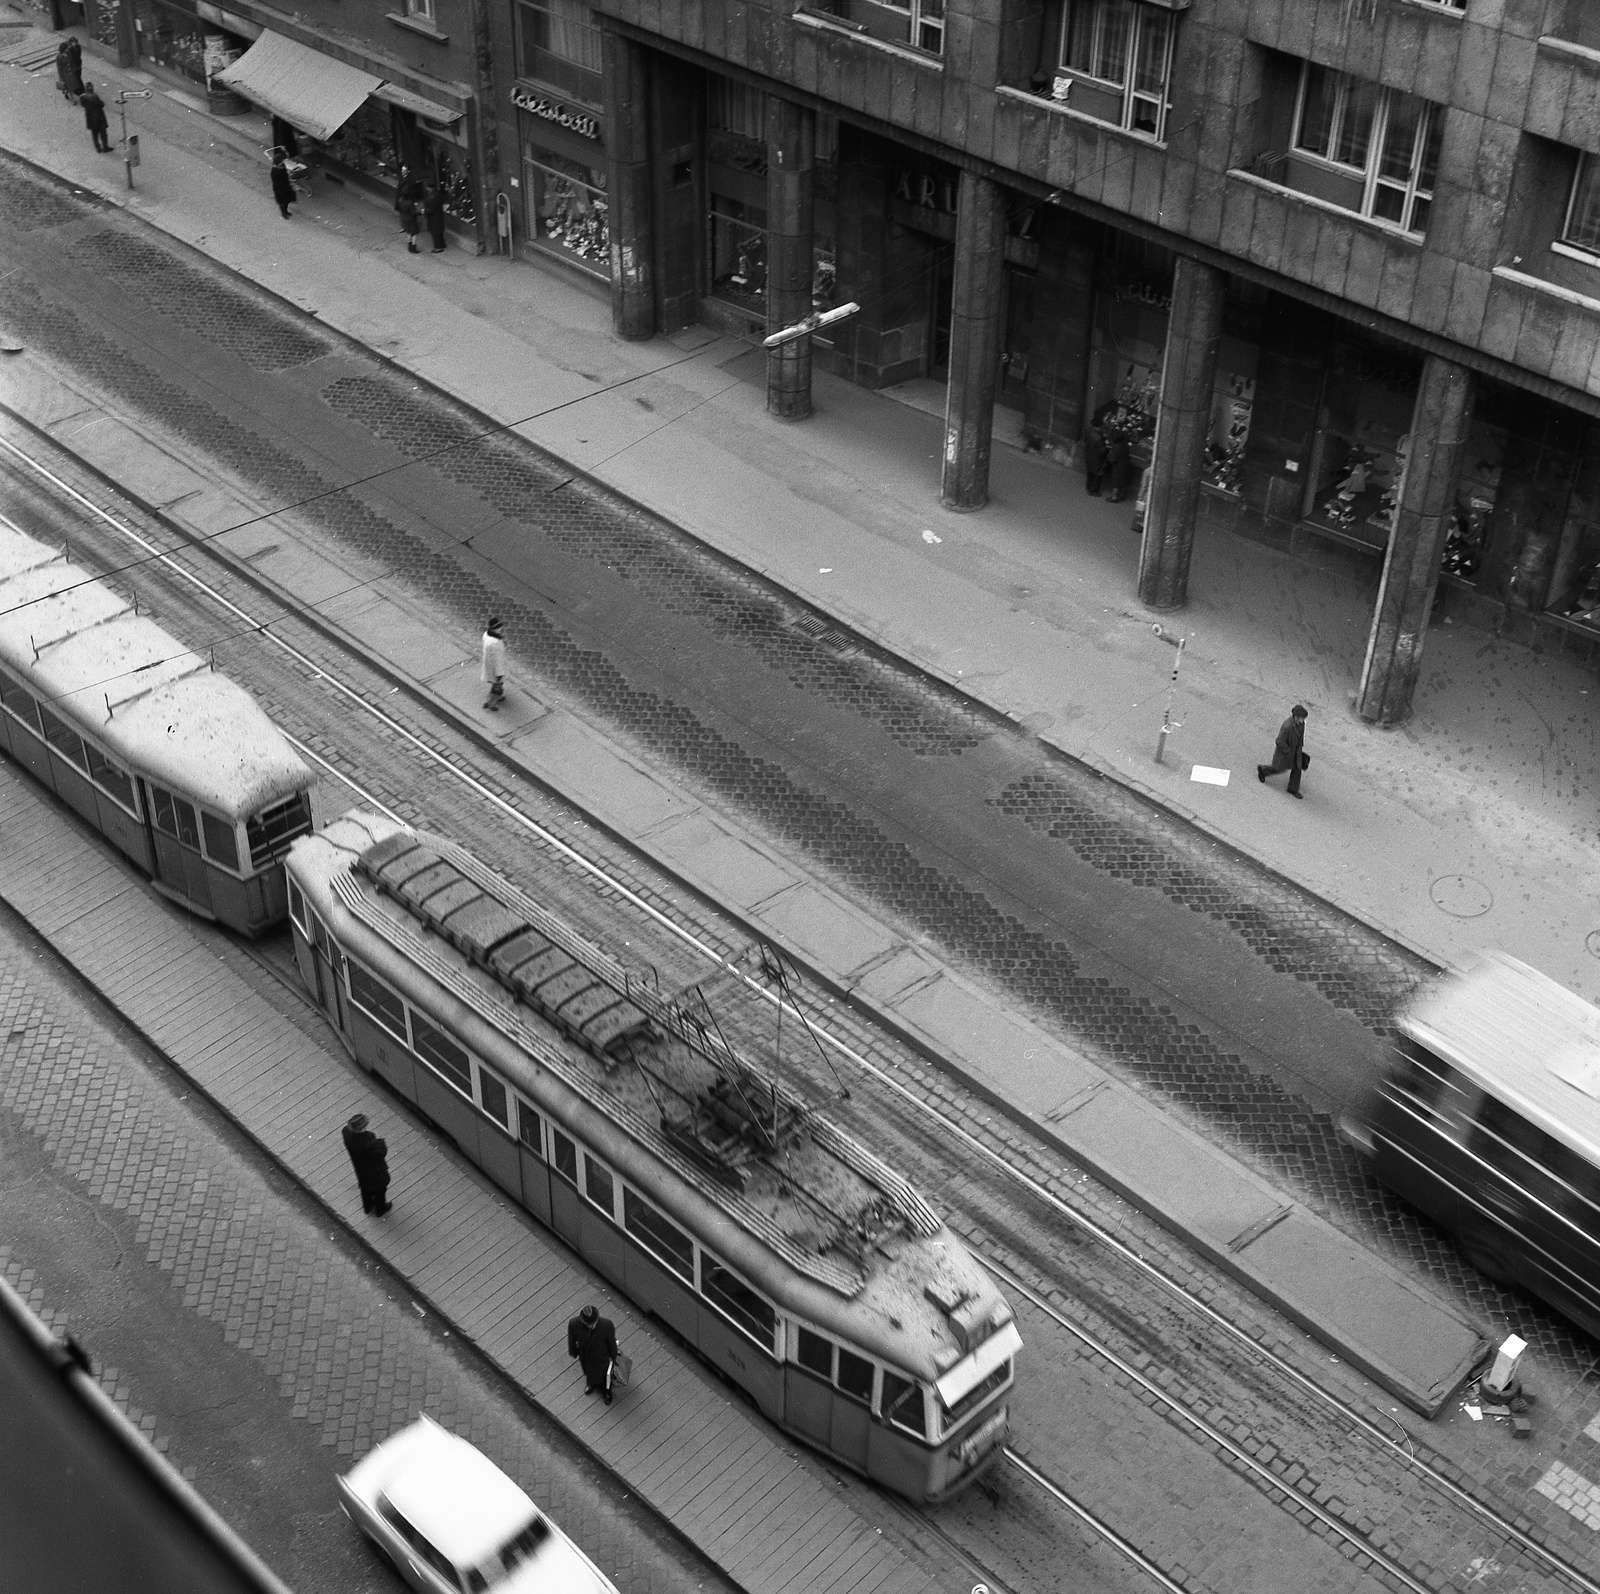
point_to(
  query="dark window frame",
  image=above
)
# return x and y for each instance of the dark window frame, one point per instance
(357, 976)
(641, 1218)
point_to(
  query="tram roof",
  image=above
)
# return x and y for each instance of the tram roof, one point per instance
(1524, 1038)
(148, 698)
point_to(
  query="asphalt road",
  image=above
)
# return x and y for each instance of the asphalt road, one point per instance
(244, 1326)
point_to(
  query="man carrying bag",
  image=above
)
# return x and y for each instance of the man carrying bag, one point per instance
(592, 1339)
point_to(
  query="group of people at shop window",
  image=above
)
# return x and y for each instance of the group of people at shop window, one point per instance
(1108, 443)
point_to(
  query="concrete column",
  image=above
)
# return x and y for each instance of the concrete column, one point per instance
(627, 90)
(1183, 422)
(1440, 422)
(791, 162)
(977, 295)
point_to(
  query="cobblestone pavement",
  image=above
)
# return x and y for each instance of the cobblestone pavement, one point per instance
(1131, 881)
(254, 1342)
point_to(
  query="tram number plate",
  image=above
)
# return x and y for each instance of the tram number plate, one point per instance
(985, 1439)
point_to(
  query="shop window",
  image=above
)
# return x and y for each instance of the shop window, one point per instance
(1475, 497)
(1376, 150)
(170, 38)
(738, 252)
(1116, 63)
(1582, 228)
(567, 207)
(558, 44)
(365, 143)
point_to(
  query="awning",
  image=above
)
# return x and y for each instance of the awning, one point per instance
(313, 91)
(416, 103)
(966, 1375)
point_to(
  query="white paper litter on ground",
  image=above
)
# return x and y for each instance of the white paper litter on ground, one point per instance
(1473, 1413)
(1209, 777)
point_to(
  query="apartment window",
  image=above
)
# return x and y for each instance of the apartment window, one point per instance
(1583, 209)
(924, 24)
(1387, 141)
(420, 10)
(1122, 53)
(558, 43)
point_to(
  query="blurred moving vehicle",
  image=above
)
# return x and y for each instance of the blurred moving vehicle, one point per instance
(449, 1520)
(1489, 1122)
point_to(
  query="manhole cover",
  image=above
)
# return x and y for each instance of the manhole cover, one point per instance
(1461, 896)
(1592, 941)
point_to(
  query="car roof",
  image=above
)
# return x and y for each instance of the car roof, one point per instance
(457, 1497)
(1523, 1038)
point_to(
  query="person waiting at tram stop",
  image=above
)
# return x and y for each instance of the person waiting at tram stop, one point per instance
(369, 1156)
(1106, 455)
(592, 1339)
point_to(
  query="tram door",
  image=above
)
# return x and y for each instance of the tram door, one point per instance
(328, 961)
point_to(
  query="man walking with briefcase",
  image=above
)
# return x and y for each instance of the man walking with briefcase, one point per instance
(593, 1340)
(1289, 752)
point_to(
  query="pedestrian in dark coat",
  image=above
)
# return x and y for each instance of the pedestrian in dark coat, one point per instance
(61, 70)
(593, 1340)
(74, 68)
(433, 214)
(283, 189)
(94, 118)
(285, 138)
(369, 1156)
(1288, 753)
(408, 201)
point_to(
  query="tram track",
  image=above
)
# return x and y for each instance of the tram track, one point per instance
(938, 1121)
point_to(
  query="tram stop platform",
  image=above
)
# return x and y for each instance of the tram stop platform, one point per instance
(771, 1519)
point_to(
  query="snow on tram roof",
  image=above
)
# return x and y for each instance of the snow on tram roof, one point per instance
(159, 705)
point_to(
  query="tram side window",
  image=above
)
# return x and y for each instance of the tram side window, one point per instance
(1539, 1163)
(658, 1234)
(64, 739)
(902, 1404)
(297, 908)
(441, 1053)
(115, 782)
(493, 1096)
(738, 1302)
(377, 1001)
(566, 1155)
(815, 1354)
(20, 704)
(855, 1375)
(599, 1186)
(175, 816)
(528, 1129)
(222, 846)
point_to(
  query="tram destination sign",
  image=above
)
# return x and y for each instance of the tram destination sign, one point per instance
(555, 111)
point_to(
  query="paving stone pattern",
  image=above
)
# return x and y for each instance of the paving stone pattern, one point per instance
(342, 1345)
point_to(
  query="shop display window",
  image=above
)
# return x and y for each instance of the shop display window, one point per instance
(567, 207)
(824, 275)
(169, 38)
(101, 16)
(455, 180)
(1358, 456)
(1480, 481)
(1232, 405)
(738, 253)
(365, 143)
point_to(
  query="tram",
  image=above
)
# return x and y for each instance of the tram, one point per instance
(796, 1262)
(176, 765)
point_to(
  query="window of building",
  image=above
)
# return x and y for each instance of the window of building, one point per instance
(421, 10)
(1120, 52)
(558, 44)
(1388, 143)
(738, 252)
(921, 22)
(567, 207)
(1582, 227)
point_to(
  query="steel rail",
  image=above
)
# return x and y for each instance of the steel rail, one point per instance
(1352, 1414)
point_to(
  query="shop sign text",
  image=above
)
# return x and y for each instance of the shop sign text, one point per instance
(554, 111)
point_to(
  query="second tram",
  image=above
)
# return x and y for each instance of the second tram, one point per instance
(791, 1257)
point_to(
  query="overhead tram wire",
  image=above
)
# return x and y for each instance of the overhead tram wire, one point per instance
(1349, 1412)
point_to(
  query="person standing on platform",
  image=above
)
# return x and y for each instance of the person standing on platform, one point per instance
(369, 1156)
(593, 1340)
(494, 664)
(433, 214)
(282, 185)
(407, 200)
(94, 118)
(74, 72)
(1288, 753)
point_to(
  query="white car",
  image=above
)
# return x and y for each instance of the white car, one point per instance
(451, 1522)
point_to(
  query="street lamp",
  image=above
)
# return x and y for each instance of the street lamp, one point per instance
(804, 328)
(130, 152)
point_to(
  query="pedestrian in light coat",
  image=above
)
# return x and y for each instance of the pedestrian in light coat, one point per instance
(369, 1156)
(593, 1340)
(1289, 751)
(94, 118)
(433, 214)
(494, 663)
(283, 189)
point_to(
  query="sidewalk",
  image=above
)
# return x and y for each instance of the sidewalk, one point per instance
(1473, 826)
